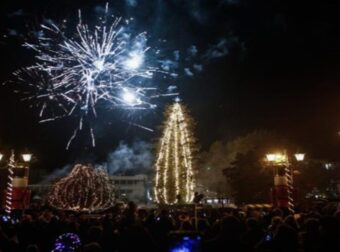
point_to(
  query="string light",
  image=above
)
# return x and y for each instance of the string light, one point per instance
(174, 164)
(84, 189)
(9, 191)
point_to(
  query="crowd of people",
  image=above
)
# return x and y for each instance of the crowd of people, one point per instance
(136, 229)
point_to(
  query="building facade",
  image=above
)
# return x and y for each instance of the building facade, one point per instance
(127, 188)
(131, 188)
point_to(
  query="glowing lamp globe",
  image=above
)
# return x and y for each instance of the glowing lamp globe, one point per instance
(280, 158)
(300, 156)
(270, 157)
(26, 157)
(1, 156)
(277, 158)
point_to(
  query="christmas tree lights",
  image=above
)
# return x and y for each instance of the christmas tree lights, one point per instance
(175, 182)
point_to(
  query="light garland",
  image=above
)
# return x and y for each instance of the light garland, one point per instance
(174, 164)
(84, 189)
(9, 190)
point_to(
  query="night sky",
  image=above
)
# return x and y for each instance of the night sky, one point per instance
(266, 65)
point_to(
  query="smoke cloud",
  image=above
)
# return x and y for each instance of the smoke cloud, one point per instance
(130, 160)
(131, 3)
(221, 48)
(57, 174)
(126, 159)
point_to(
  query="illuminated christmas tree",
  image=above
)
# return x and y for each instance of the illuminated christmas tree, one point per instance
(175, 180)
(84, 189)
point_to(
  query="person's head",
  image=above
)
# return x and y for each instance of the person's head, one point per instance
(95, 233)
(26, 218)
(142, 213)
(32, 248)
(252, 223)
(337, 214)
(132, 206)
(202, 225)
(277, 212)
(230, 226)
(186, 225)
(329, 225)
(312, 225)
(92, 247)
(290, 220)
(286, 237)
(11, 231)
(164, 213)
(276, 221)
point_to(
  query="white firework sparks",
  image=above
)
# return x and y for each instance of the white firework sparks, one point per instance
(74, 74)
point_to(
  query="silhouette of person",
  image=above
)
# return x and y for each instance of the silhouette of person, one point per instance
(179, 198)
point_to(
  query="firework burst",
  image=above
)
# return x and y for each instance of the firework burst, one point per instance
(74, 74)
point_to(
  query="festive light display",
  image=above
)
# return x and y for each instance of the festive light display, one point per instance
(67, 242)
(9, 190)
(84, 189)
(75, 73)
(290, 188)
(175, 182)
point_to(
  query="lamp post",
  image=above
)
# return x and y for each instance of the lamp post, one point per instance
(283, 183)
(16, 188)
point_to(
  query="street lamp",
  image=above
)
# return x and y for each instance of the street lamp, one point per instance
(277, 158)
(17, 183)
(283, 184)
(26, 157)
(281, 158)
(299, 157)
(270, 157)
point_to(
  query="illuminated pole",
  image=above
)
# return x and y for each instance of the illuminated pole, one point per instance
(283, 185)
(289, 178)
(22, 188)
(9, 190)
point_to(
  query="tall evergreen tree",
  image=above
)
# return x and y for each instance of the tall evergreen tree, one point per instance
(175, 178)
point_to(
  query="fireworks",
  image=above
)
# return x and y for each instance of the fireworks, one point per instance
(174, 165)
(84, 189)
(99, 66)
